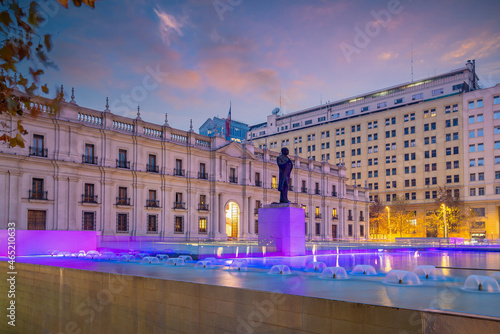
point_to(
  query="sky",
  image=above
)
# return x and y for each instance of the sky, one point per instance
(192, 59)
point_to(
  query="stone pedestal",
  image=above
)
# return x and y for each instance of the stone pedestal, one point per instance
(282, 229)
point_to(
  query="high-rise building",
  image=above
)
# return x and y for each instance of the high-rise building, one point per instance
(216, 126)
(481, 119)
(406, 140)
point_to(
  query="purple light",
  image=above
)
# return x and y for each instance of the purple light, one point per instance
(28, 242)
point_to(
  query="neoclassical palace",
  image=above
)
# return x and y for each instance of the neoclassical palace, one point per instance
(83, 169)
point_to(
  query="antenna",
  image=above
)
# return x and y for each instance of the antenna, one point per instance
(412, 62)
(280, 97)
(321, 99)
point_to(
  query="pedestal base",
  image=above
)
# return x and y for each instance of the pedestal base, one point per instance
(282, 229)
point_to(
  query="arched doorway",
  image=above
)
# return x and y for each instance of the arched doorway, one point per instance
(232, 219)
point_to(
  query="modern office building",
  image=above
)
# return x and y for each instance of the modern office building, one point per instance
(481, 119)
(213, 126)
(406, 140)
(84, 169)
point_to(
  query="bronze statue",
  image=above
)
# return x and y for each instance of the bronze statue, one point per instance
(285, 165)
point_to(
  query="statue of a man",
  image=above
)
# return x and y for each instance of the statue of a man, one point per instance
(286, 166)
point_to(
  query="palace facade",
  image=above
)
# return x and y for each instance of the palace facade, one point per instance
(84, 169)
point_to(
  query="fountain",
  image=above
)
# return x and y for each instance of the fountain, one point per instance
(150, 260)
(82, 253)
(496, 276)
(481, 283)
(126, 258)
(402, 277)
(334, 272)
(140, 256)
(175, 262)
(363, 269)
(92, 254)
(204, 265)
(239, 265)
(315, 266)
(187, 258)
(162, 257)
(280, 269)
(108, 256)
(425, 270)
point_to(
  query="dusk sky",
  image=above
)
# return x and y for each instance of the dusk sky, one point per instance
(191, 58)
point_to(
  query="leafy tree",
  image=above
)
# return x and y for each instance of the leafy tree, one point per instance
(458, 216)
(401, 217)
(378, 218)
(22, 44)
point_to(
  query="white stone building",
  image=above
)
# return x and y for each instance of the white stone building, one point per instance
(84, 169)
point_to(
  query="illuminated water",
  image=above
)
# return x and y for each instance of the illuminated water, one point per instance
(445, 294)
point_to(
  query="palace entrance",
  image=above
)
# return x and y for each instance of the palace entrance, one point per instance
(232, 220)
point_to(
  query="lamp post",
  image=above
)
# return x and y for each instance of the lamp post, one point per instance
(445, 226)
(389, 221)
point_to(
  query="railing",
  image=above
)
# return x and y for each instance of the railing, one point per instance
(201, 142)
(89, 198)
(203, 207)
(122, 164)
(41, 195)
(349, 218)
(152, 203)
(203, 176)
(38, 151)
(90, 119)
(153, 132)
(233, 179)
(334, 194)
(335, 217)
(123, 126)
(303, 190)
(89, 159)
(152, 168)
(179, 138)
(318, 216)
(361, 219)
(306, 215)
(179, 205)
(317, 191)
(123, 201)
(256, 211)
(179, 172)
(290, 187)
(258, 183)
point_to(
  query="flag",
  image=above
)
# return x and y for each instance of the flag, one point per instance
(228, 122)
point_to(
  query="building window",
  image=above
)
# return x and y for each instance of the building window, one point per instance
(88, 193)
(88, 221)
(202, 225)
(152, 202)
(349, 230)
(38, 148)
(472, 119)
(417, 96)
(480, 191)
(122, 222)
(437, 91)
(37, 191)
(178, 204)
(256, 226)
(178, 171)
(37, 219)
(152, 166)
(274, 182)
(317, 229)
(179, 224)
(232, 175)
(88, 157)
(122, 159)
(152, 224)
(122, 198)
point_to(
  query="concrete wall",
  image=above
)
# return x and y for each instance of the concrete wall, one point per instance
(61, 300)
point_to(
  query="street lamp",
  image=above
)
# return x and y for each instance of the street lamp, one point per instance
(445, 226)
(389, 221)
